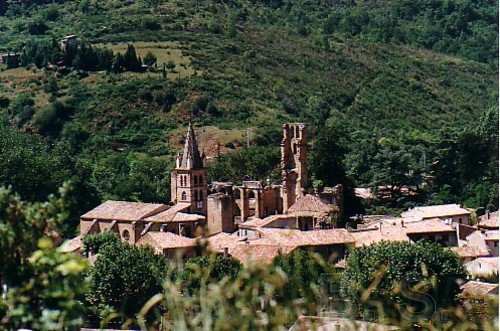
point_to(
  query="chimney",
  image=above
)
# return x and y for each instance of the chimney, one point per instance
(226, 251)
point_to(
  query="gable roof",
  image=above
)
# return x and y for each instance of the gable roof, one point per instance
(489, 221)
(478, 289)
(263, 253)
(311, 203)
(124, 210)
(190, 158)
(166, 240)
(169, 214)
(290, 237)
(468, 252)
(384, 232)
(419, 213)
(434, 225)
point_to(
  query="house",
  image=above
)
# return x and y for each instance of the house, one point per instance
(486, 240)
(452, 212)
(475, 289)
(69, 43)
(489, 221)
(482, 267)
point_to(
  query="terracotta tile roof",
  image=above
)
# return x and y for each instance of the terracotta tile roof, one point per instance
(166, 240)
(169, 214)
(263, 222)
(478, 289)
(489, 221)
(491, 235)
(489, 261)
(289, 237)
(263, 253)
(222, 240)
(311, 203)
(422, 212)
(184, 217)
(373, 235)
(124, 210)
(434, 225)
(72, 245)
(468, 252)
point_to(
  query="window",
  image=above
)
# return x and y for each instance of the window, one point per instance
(294, 148)
(195, 180)
(200, 195)
(184, 196)
(200, 179)
(297, 132)
(196, 195)
(126, 235)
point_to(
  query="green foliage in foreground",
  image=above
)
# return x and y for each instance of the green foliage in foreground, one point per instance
(402, 278)
(131, 286)
(123, 278)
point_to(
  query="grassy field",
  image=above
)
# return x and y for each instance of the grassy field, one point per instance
(164, 52)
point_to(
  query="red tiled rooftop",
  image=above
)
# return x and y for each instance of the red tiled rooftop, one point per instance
(124, 210)
(289, 237)
(478, 289)
(468, 252)
(169, 214)
(263, 253)
(422, 212)
(489, 221)
(166, 240)
(311, 203)
(434, 225)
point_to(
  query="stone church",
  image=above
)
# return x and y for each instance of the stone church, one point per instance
(199, 208)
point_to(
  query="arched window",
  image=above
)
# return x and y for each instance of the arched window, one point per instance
(297, 132)
(184, 196)
(126, 235)
(195, 180)
(294, 148)
(200, 179)
(251, 194)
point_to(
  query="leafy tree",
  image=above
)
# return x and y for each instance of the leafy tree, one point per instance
(51, 298)
(94, 242)
(394, 169)
(124, 277)
(22, 226)
(150, 59)
(402, 278)
(170, 65)
(29, 166)
(305, 272)
(208, 269)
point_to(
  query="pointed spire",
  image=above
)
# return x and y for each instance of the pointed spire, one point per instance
(191, 158)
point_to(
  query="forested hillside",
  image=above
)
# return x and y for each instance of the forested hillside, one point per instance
(400, 93)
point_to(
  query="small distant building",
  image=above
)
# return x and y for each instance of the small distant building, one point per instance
(482, 267)
(69, 43)
(452, 212)
(477, 290)
(489, 221)
(11, 59)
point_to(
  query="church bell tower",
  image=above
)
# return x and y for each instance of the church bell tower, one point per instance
(188, 180)
(293, 163)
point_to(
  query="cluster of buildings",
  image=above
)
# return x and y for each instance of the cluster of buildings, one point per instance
(259, 221)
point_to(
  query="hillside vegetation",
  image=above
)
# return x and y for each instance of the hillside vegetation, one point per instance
(369, 71)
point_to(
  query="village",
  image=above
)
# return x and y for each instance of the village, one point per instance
(255, 222)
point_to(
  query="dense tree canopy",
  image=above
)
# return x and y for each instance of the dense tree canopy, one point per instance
(402, 276)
